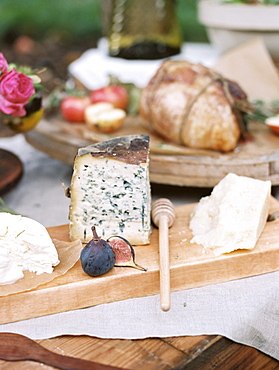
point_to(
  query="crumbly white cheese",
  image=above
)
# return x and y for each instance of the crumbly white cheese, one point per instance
(112, 195)
(24, 245)
(10, 271)
(233, 216)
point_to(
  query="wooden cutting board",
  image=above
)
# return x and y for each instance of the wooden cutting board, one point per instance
(190, 266)
(169, 163)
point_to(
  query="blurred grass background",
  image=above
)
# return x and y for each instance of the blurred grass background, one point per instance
(75, 21)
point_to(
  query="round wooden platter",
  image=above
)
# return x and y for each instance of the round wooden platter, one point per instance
(11, 170)
(170, 164)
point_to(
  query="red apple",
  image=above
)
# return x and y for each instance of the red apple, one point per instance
(72, 108)
(114, 94)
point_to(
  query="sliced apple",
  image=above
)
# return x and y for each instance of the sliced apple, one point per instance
(103, 117)
(273, 123)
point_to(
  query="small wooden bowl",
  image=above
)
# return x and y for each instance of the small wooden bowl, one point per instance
(11, 170)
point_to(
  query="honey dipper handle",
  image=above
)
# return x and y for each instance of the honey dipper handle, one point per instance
(164, 263)
(163, 216)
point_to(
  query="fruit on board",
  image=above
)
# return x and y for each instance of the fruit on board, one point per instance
(103, 117)
(117, 95)
(97, 257)
(273, 123)
(124, 252)
(72, 107)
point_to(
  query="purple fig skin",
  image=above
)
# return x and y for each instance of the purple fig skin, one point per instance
(124, 252)
(97, 257)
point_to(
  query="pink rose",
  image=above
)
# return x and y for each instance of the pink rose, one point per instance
(15, 110)
(15, 90)
(3, 64)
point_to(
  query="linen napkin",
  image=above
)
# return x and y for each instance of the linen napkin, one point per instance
(245, 311)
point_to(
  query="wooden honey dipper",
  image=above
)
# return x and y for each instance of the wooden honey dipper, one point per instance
(163, 216)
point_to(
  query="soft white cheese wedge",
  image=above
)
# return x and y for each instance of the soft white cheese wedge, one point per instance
(24, 245)
(233, 216)
(110, 190)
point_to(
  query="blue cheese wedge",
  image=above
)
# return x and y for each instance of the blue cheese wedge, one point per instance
(233, 216)
(24, 245)
(110, 189)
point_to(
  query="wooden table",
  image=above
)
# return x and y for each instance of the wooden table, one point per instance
(197, 352)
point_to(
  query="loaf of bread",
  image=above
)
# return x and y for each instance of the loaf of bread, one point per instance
(192, 105)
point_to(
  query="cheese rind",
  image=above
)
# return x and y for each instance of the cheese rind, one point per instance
(110, 190)
(24, 245)
(233, 216)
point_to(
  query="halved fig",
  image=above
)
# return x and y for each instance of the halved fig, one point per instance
(124, 252)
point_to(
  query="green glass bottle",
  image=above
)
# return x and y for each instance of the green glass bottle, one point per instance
(144, 29)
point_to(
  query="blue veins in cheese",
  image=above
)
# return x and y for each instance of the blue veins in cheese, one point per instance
(24, 245)
(233, 216)
(110, 189)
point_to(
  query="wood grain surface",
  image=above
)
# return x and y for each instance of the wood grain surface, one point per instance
(190, 267)
(170, 164)
(206, 352)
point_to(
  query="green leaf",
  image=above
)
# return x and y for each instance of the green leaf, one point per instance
(5, 208)
(261, 110)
